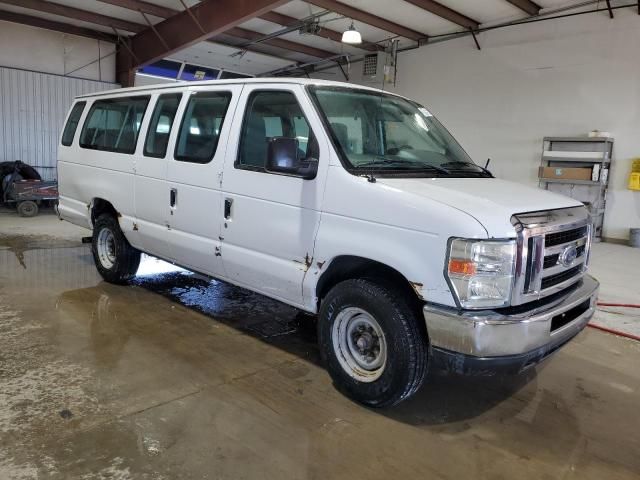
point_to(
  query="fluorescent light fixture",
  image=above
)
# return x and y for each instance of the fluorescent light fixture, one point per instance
(352, 36)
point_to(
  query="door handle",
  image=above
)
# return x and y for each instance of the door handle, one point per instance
(227, 208)
(173, 197)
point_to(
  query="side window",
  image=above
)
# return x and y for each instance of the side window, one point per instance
(273, 114)
(72, 123)
(160, 125)
(201, 125)
(113, 124)
(273, 127)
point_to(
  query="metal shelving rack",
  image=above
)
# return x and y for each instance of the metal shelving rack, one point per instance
(567, 152)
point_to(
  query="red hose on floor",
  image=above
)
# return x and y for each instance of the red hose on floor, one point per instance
(625, 305)
(614, 332)
(611, 330)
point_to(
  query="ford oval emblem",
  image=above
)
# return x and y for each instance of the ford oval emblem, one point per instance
(568, 256)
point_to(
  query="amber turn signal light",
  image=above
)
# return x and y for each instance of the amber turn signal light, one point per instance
(462, 267)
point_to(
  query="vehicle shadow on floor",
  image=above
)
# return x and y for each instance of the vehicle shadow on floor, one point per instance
(453, 398)
(443, 399)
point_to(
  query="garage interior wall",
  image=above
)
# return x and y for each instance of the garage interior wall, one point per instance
(562, 77)
(35, 96)
(47, 51)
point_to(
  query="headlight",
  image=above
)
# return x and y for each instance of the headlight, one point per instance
(480, 272)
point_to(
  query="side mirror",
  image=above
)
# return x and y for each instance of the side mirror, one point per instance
(283, 156)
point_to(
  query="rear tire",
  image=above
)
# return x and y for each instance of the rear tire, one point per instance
(116, 260)
(372, 342)
(27, 208)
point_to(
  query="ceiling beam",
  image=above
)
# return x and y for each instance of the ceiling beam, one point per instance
(527, 6)
(278, 42)
(76, 14)
(232, 42)
(141, 6)
(369, 19)
(445, 12)
(55, 26)
(287, 21)
(273, 17)
(204, 20)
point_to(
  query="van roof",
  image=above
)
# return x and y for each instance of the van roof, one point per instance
(234, 81)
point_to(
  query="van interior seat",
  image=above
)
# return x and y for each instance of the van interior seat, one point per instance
(254, 143)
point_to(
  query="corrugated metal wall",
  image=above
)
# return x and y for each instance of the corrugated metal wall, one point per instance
(33, 107)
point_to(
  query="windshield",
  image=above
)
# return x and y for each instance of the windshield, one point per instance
(381, 133)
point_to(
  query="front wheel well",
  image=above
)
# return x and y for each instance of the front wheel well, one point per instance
(346, 267)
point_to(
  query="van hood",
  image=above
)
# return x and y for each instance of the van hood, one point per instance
(489, 200)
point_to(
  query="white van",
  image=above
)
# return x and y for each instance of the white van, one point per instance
(340, 200)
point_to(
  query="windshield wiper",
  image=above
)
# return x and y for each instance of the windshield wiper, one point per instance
(460, 162)
(385, 161)
(404, 165)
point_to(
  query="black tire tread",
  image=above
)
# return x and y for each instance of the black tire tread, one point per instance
(413, 337)
(127, 257)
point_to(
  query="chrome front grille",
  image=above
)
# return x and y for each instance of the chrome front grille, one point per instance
(551, 260)
(559, 238)
(560, 277)
(553, 252)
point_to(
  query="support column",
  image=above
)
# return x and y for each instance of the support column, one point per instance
(125, 73)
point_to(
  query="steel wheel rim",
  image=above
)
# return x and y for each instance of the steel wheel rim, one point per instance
(359, 344)
(106, 246)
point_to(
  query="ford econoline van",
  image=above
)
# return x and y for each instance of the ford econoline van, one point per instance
(345, 201)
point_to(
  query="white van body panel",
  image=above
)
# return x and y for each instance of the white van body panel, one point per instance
(407, 232)
(83, 177)
(489, 200)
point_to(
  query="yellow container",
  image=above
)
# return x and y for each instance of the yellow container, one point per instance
(634, 176)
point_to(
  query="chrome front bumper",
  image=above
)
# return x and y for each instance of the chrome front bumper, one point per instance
(488, 334)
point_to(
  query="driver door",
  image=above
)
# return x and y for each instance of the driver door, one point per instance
(269, 221)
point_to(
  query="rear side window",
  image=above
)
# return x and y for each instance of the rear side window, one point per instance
(160, 125)
(72, 123)
(113, 124)
(201, 125)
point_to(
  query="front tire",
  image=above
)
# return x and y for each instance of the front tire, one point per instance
(372, 342)
(116, 260)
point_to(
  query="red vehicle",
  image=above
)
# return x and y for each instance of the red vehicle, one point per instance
(21, 185)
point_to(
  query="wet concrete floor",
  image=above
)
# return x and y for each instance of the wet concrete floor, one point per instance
(177, 378)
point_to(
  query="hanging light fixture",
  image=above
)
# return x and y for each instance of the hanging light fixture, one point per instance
(352, 36)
